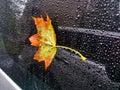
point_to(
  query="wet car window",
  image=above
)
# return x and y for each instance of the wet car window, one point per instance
(90, 27)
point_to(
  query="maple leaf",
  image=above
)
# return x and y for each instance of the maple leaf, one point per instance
(45, 40)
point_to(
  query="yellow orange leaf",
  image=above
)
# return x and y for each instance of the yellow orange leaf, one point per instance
(45, 40)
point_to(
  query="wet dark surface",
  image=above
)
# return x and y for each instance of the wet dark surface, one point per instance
(67, 72)
(96, 45)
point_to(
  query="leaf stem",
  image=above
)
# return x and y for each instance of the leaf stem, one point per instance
(82, 57)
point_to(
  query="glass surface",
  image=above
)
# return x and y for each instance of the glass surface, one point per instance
(89, 26)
